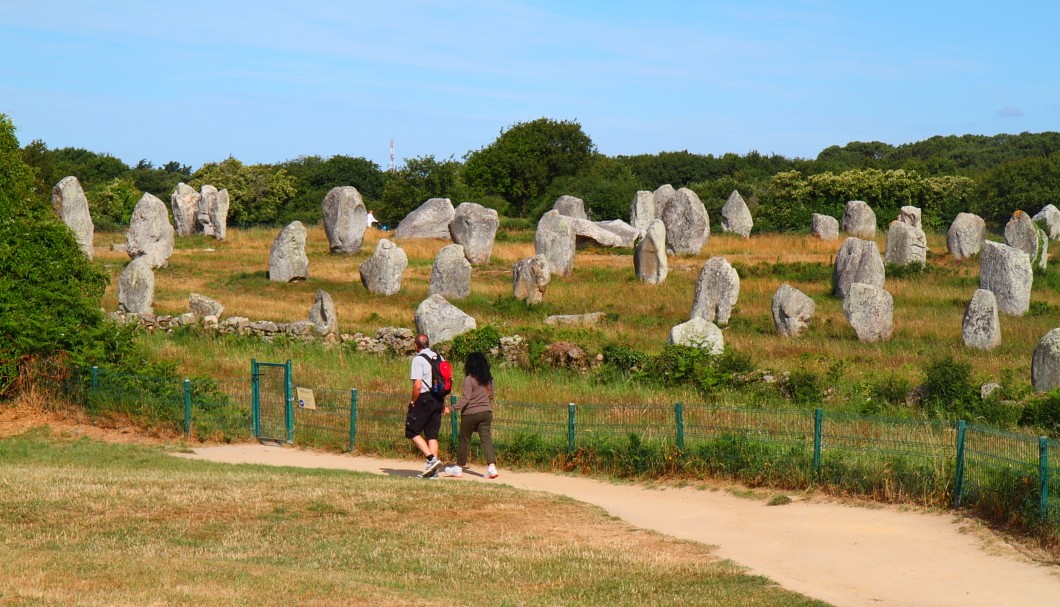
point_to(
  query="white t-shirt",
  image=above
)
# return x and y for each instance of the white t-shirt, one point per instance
(421, 369)
(370, 220)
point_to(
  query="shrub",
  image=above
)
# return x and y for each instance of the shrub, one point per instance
(476, 340)
(624, 358)
(802, 386)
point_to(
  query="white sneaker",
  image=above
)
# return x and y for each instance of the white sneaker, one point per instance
(491, 471)
(454, 471)
(431, 468)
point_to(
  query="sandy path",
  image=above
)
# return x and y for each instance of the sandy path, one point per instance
(845, 555)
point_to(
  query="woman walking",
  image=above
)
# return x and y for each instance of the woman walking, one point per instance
(476, 414)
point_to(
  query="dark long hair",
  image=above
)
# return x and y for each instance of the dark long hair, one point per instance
(478, 367)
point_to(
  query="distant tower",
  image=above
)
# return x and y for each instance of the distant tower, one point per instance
(391, 167)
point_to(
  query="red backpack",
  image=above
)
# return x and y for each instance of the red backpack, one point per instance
(441, 376)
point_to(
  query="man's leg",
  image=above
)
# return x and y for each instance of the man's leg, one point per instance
(424, 446)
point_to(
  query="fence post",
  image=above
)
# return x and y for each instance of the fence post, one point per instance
(679, 418)
(288, 396)
(570, 427)
(95, 379)
(453, 421)
(958, 481)
(255, 399)
(187, 407)
(818, 423)
(1043, 476)
(353, 418)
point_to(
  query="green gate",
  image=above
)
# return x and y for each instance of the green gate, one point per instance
(271, 398)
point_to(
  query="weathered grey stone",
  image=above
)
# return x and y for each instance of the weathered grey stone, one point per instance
(588, 230)
(662, 196)
(649, 257)
(219, 214)
(627, 234)
(966, 235)
(1007, 272)
(642, 211)
(381, 273)
(870, 311)
(735, 216)
(324, 317)
(1049, 219)
(986, 390)
(207, 201)
(571, 207)
(590, 319)
(792, 311)
(150, 234)
(981, 327)
(185, 319)
(451, 273)
(267, 327)
(185, 204)
(530, 278)
(906, 245)
(824, 227)
(857, 261)
(910, 215)
(474, 227)
(698, 332)
(1021, 232)
(440, 320)
(344, 219)
(555, 240)
(202, 306)
(859, 220)
(1045, 364)
(430, 220)
(287, 258)
(687, 224)
(717, 290)
(136, 287)
(70, 203)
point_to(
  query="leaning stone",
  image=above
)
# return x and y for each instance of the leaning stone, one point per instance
(824, 227)
(717, 290)
(185, 204)
(287, 258)
(588, 230)
(150, 234)
(981, 327)
(530, 278)
(735, 216)
(575, 320)
(451, 273)
(440, 320)
(649, 257)
(1049, 219)
(323, 316)
(474, 227)
(870, 311)
(627, 234)
(70, 203)
(859, 220)
(136, 287)
(857, 261)
(219, 214)
(381, 273)
(1045, 364)
(202, 306)
(662, 196)
(344, 219)
(571, 207)
(687, 223)
(555, 240)
(430, 220)
(966, 235)
(792, 311)
(700, 333)
(906, 245)
(910, 215)
(1021, 232)
(1007, 272)
(642, 211)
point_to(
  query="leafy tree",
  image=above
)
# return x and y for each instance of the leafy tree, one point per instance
(606, 185)
(160, 181)
(256, 192)
(315, 177)
(419, 180)
(112, 204)
(1026, 184)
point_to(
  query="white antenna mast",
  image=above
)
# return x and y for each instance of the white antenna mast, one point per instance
(392, 167)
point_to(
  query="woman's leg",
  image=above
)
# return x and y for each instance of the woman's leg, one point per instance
(484, 428)
(467, 426)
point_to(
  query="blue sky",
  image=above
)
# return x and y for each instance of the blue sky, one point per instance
(268, 81)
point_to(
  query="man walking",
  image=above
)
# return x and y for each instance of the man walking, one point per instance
(424, 418)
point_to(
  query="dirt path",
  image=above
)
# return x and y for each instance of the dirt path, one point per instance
(845, 555)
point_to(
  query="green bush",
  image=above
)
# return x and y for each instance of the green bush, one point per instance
(624, 358)
(476, 340)
(803, 387)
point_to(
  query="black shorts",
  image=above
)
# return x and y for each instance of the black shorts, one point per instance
(424, 416)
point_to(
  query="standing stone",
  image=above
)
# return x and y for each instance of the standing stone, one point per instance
(322, 315)
(530, 278)
(981, 327)
(219, 214)
(870, 311)
(451, 273)
(642, 211)
(474, 227)
(857, 261)
(649, 257)
(207, 201)
(430, 220)
(1007, 272)
(381, 273)
(440, 320)
(966, 235)
(859, 220)
(1045, 364)
(136, 287)
(185, 204)
(910, 215)
(202, 306)
(554, 239)
(792, 311)
(1021, 232)
(735, 216)
(687, 224)
(700, 333)
(287, 258)
(824, 227)
(1049, 219)
(627, 234)
(906, 245)
(571, 207)
(717, 290)
(590, 230)
(344, 219)
(70, 203)
(150, 234)
(662, 196)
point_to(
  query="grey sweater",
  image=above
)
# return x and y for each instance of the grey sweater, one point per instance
(475, 398)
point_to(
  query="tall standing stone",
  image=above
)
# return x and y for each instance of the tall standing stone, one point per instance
(649, 256)
(185, 204)
(554, 239)
(717, 290)
(687, 224)
(1007, 272)
(208, 199)
(571, 206)
(642, 211)
(857, 261)
(430, 220)
(451, 273)
(136, 287)
(324, 317)
(966, 235)
(474, 227)
(1021, 232)
(870, 311)
(150, 234)
(287, 258)
(381, 273)
(906, 245)
(792, 311)
(440, 320)
(70, 203)
(662, 196)
(700, 333)
(219, 214)
(344, 219)
(824, 227)
(910, 215)
(735, 216)
(859, 220)
(530, 278)
(1045, 363)
(981, 327)
(1049, 219)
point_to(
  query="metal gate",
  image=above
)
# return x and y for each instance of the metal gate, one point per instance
(271, 397)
